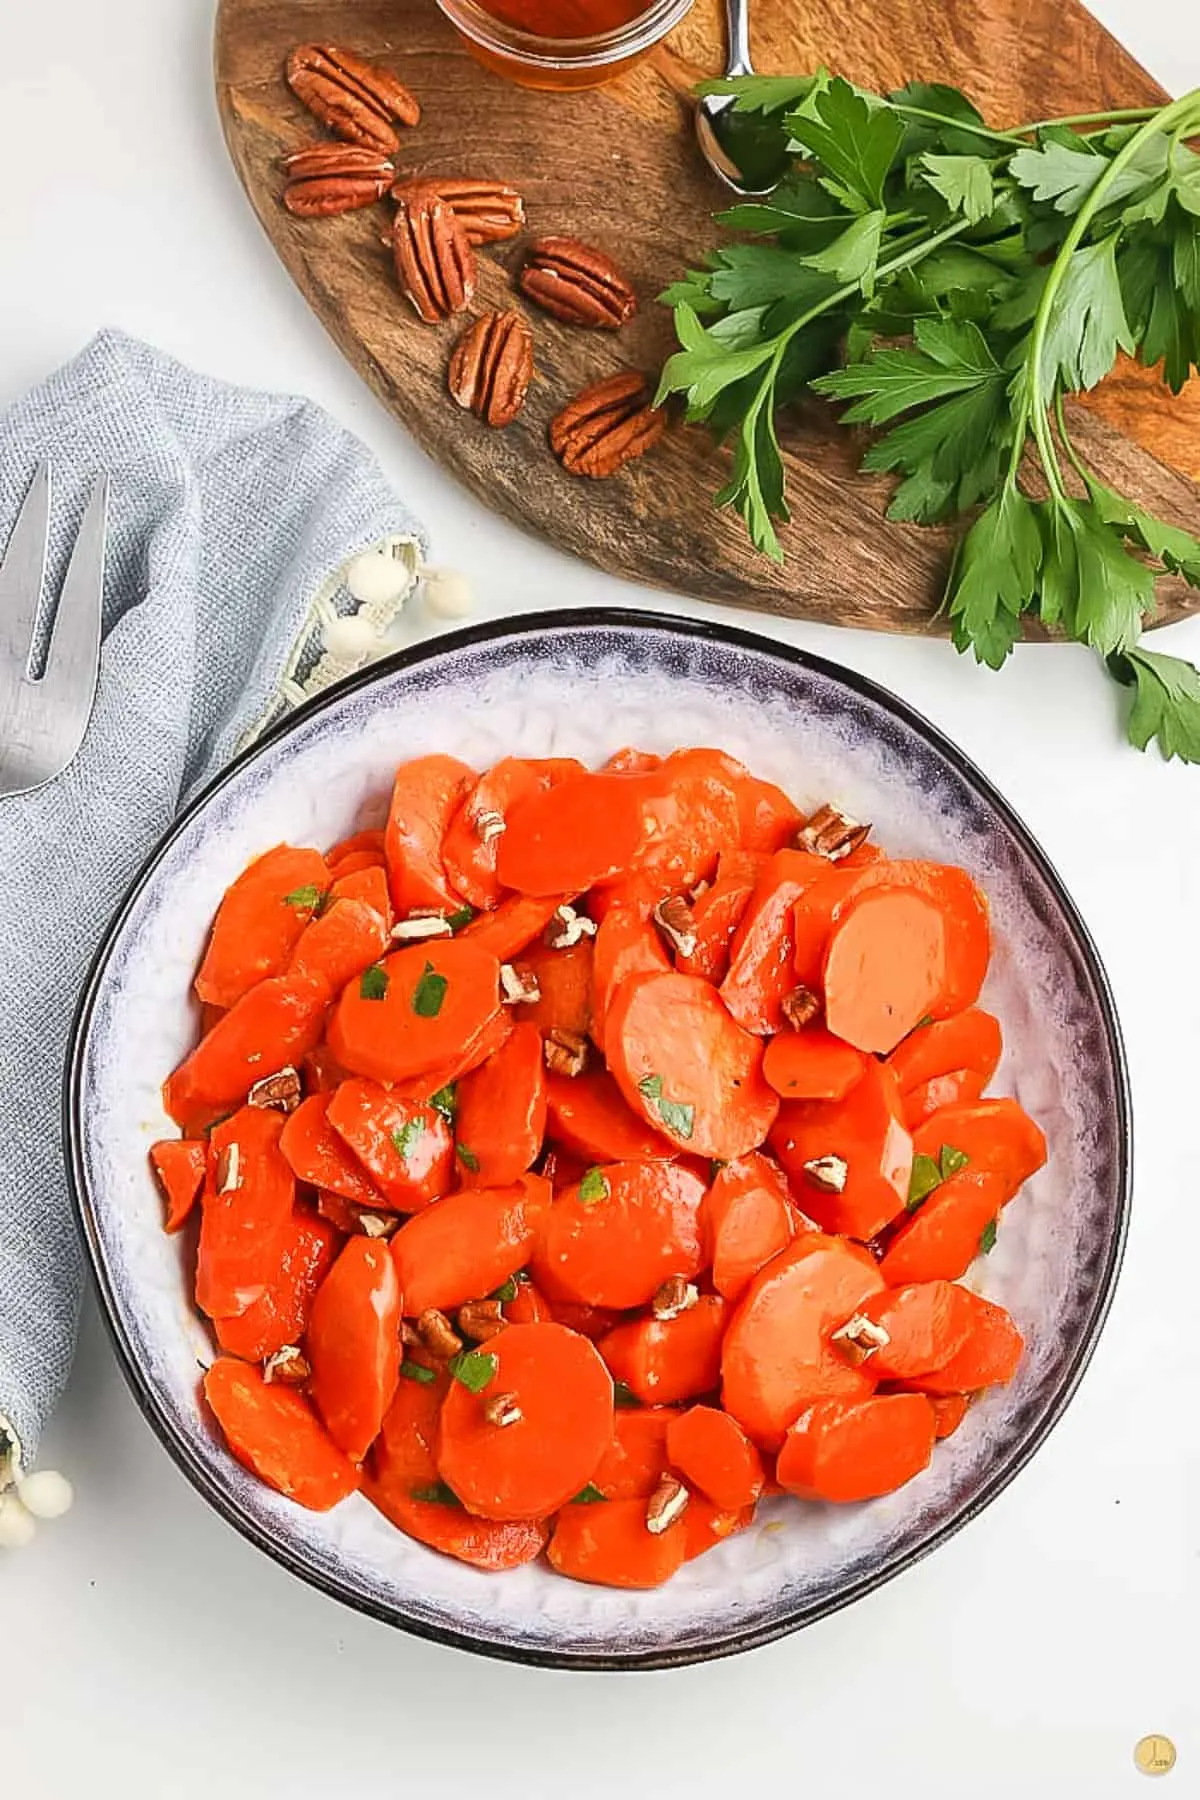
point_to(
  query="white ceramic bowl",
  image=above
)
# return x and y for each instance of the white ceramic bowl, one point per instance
(584, 684)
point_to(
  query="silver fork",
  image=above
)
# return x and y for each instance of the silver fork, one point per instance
(43, 720)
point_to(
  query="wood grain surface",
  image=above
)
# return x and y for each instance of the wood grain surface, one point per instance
(618, 167)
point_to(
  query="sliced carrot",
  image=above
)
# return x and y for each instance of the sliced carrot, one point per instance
(632, 762)
(665, 1360)
(763, 952)
(854, 1450)
(777, 1357)
(636, 1459)
(941, 1239)
(370, 842)
(209, 1015)
(958, 1088)
(811, 1064)
(716, 915)
(347, 938)
(927, 1323)
(405, 1148)
(949, 1411)
(529, 1306)
(686, 1067)
(588, 1115)
(320, 1071)
(712, 1453)
(562, 1168)
(561, 1392)
(249, 1191)
(353, 1344)
(967, 1040)
(425, 796)
(988, 1358)
(638, 893)
(370, 886)
(471, 843)
(617, 1235)
(415, 1009)
(489, 1041)
(885, 966)
(812, 919)
(318, 1154)
(993, 1135)
(767, 818)
(467, 1244)
(609, 1543)
(859, 1142)
(258, 922)
(564, 979)
(705, 1525)
(357, 862)
(748, 1221)
(967, 931)
(276, 1024)
(280, 1314)
(512, 926)
(705, 817)
(274, 1432)
(626, 944)
(589, 830)
(594, 1322)
(502, 1110)
(179, 1164)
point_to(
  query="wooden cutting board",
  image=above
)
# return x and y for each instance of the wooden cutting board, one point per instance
(618, 166)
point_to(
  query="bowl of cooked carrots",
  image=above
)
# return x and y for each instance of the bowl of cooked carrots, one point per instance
(601, 1140)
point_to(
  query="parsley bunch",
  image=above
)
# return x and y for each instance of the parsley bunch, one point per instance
(966, 279)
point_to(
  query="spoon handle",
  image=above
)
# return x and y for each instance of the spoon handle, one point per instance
(737, 13)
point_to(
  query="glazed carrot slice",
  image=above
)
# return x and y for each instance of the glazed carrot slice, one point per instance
(276, 1024)
(347, 938)
(318, 1154)
(777, 1357)
(748, 1221)
(710, 1452)
(561, 1394)
(405, 1148)
(967, 930)
(848, 1161)
(259, 921)
(811, 1064)
(632, 762)
(716, 915)
(705, 1525)
(528, 1306)
(927, 1323)
(855, 1450)
(320, 1071)
(358, 843)
(564, 979)
(179, 1164)
(812, 919)
(588, 1115)
(988, 1358)
(512, 926)
(356, 863)
(949, 1411)
(245, 1213)
(885, 966)
(467, 1244)
(425, 796)
(665, 1360)
(280, 1314)
(633, 1465)
(687, 1067)
(626, 944)
(767, 818)
(415, 1009)
(941, 1239)
(502, 1110)
(353, 1344)
(993, 1135)
(958, 1088)
(704, 818)
(487, 1042)
(472, 840)
(615, 1237)
(370, 885)
(763, 951)
(589, 830)
(274, 1432)
(968, 1040)
(608, 1543)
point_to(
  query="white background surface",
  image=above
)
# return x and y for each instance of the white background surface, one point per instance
(145, 1650)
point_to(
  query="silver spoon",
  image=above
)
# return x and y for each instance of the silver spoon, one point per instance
(716, 132)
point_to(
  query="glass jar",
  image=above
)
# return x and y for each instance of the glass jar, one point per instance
(545, 51)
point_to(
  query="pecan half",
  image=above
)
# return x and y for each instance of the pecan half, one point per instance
(356, 99)
(577, 283)
(435, 265)
(288, 1366)
(800, 1007)
(827, 1174)
(565, 1052)
(481, 1319)
(677, 922)
(281, 1090)
(667, 1503)
(327, 195)
(437, 1333)
(490, 211)
(674, 1296)
(490, 370)
(606, 426)
(317, 161)
(502, 1409)
(831, 833)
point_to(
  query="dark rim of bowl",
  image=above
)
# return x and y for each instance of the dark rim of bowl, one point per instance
(730, 1642)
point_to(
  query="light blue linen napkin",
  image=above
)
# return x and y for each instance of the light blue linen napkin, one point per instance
(231, 516)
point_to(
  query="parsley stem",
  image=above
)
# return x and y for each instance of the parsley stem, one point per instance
(985, 131)
(1073, 455)
(1128, 113)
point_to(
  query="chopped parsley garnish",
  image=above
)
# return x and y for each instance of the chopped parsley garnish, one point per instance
(305, 899)
(474, 1368)
(467, 1157)
(429, 993)
(464, 915)
(594, 1187)
(373, 982)
(406, 1135)
(677, 1116)
(436, 1493)
(587, 1496)
(951, 1161)
(924, 1178)
(445, 1101)
(987, 1238)
(415, 1371)
(623, 1394)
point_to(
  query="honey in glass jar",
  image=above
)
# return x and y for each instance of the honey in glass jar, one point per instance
(561, 44)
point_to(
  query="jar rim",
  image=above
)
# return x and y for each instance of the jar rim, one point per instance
(540, 51)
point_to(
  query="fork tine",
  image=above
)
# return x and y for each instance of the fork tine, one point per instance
(22, 574)
(68, 686)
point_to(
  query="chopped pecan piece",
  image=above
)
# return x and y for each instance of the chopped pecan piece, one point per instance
(355, 99)
(281, 1090)
(490, 370)
(435, 264)
(800, 1007)
(502, 1409)
(667, 1503)
(676, 1295)
(676, 921)
(859, 1338)
(437, 1333)
(377, 1224)
(490, 211)
(519, 984)
(229, 1169)
(567, 927)
(565, 1052)
(827, 1174)
(288, 1366)
(606, 426)
(831, 833)
(424, 923)
(577, 283)
(480, 1319)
